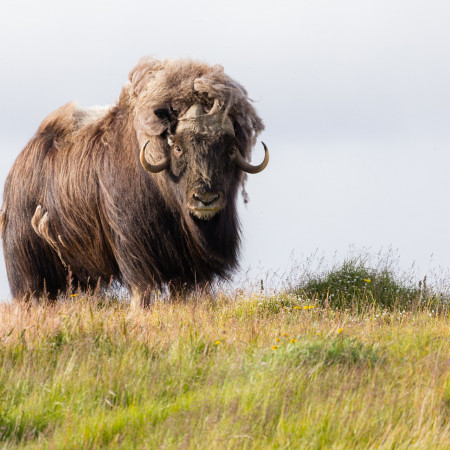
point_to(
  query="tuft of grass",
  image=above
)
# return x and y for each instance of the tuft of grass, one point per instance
(347, 352)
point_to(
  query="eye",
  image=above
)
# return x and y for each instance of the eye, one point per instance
(177, 151)
(232, 151)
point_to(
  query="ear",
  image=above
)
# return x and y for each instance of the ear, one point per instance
(166, 115)
(158, 121)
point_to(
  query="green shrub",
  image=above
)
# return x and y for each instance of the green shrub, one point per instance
(354, 283)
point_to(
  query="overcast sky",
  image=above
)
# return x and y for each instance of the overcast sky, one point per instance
(355, 95)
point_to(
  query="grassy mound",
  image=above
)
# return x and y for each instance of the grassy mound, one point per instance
(355, 283)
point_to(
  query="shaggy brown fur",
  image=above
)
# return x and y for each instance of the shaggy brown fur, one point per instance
(78, 199)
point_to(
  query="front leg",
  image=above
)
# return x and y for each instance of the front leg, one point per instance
(140, 299)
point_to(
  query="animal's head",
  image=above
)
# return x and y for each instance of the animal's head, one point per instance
(203, 161)
(205, 128)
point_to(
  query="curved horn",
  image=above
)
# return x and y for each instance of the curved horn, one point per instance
(193, 112)
(247, 167)
(215, 108)
(153, 168)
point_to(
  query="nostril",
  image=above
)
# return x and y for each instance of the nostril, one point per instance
(206, 198)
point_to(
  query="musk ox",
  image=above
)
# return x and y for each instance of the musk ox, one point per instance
(142, 192)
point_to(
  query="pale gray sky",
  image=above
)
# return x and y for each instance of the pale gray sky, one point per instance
(354, 94)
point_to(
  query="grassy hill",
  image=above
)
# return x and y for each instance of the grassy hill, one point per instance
(297, 368)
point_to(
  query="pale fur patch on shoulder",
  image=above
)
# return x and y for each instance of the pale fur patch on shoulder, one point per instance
(2, 220)
(41, 226)
(86, 116)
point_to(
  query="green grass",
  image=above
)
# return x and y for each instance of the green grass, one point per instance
(235, 371)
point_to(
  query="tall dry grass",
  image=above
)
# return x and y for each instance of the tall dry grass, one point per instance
(223, 371)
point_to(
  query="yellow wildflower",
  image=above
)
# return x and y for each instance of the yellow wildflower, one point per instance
(340, 330)
(274, 347)
(297, 307)
(283, 334)
(367, 280)
(277, 340)
(308, 307)
(293, 341)
(217, 342)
